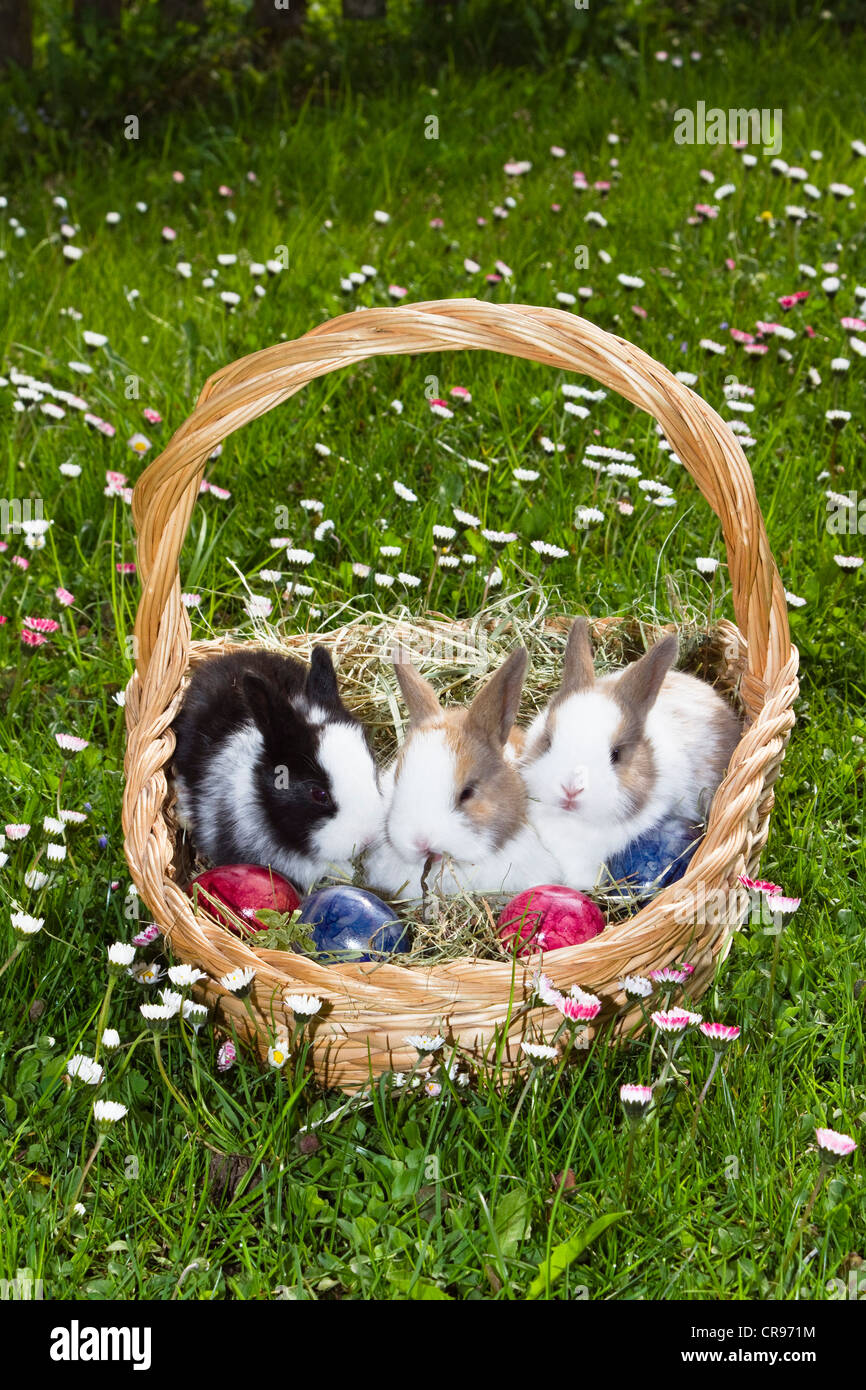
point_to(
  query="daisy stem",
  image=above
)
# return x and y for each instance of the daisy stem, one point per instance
(164, 1074)
(807, 1212)
(702, 1097)
(103, 1015)
(128, 1058)
(14, 956)
(628, 1163)
(100, 1139)
(773, 968)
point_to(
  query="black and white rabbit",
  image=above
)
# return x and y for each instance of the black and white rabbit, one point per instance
(271, 768)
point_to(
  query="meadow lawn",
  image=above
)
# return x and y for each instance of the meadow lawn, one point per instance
(459, 1194)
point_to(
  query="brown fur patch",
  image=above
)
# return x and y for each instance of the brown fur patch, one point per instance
(498, 804)
(635, 769)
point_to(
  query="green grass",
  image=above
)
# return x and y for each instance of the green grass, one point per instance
(409, 1195)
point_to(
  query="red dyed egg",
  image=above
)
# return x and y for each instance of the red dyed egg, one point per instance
(549, 917)
(246, 889)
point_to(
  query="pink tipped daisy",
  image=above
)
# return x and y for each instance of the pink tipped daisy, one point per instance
(146, 935)
(777, 902)
(834, 1144)
(152, 417)
(226, 1056)
(71, 743)
(672, 1020)
(635, 1100)
(668, 976)
(759, 885)
(125, 567)
(63, 596)
(721, 1035)
(579, 1007)
(33, 639)
(17, 832)
(47, 625)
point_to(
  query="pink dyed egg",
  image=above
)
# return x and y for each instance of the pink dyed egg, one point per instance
(246, 889)
(549, 917)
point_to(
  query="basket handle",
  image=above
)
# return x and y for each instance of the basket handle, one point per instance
(166, 492)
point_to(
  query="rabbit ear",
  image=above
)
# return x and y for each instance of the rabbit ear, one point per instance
(578, 672)
(421, 699)
(260, 703)
(636, 690)
(322, 680)
(494, 709)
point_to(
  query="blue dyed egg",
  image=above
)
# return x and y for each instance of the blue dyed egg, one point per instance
(351, 924)
(658, 857)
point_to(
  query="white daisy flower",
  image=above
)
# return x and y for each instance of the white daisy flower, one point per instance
(185, 976)
(157, 1016)
(238, 981)
(584, 517)
(705, 564)
(848, 562)
(538, 1052)
(404, 493)
(26, 926)
(410, 580)
(106, 1114)
(121, 955)
(425, 1043)
(85, 1069)
(553, 552)
(466, 518)
(303, 1006)
(444, 533)
(631, 282)
(384, 581)
(526, 475)
(277, 1055)
(793, 600)
(110, 1039)
(195, 1014)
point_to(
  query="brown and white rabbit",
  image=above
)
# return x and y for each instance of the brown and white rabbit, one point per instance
(611, 758)
(453, 796)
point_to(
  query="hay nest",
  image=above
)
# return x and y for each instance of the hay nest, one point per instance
(458, 656)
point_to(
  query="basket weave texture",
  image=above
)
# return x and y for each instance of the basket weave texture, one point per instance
(370, 1009)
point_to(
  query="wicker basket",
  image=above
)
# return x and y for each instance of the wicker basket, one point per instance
(370, 1009)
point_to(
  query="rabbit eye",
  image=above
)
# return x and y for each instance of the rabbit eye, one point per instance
(320, 796)
(614, 755)
(467, 794)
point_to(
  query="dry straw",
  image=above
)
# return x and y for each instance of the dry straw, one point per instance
(481, 1005)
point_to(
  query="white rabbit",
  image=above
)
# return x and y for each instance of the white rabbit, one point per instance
(611, 758)
(453, 796)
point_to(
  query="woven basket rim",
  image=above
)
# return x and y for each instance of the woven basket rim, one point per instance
(372, 1010)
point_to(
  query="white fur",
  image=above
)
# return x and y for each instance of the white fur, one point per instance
(684, 737)
(423, 816)
(344, 755)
